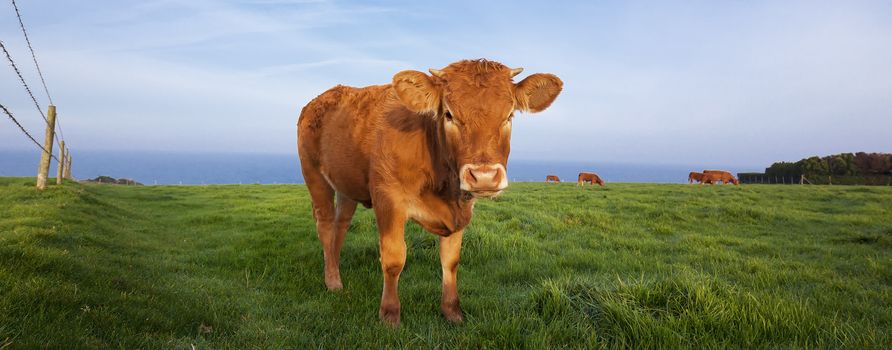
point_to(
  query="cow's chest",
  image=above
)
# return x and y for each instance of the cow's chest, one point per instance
(439, 216)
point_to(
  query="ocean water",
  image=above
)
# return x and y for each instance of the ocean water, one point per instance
(195, 169)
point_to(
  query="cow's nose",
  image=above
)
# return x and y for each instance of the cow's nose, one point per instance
(484, 178)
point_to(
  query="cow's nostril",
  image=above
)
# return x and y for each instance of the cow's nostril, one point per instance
(472, 178)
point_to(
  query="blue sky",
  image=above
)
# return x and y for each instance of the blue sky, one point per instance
(727, 82)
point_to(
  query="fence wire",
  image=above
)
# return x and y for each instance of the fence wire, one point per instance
(33, 55)
(39, 73)
(22, 80)
(11, 117)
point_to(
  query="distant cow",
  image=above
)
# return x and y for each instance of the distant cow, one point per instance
(591, 178)
(695, 176)
(710, 179)
(715, 176)
(552, 178)
(422, 148)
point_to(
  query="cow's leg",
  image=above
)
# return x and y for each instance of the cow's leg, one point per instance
(391, 221)
(343, 215)
(322, 196)
(450, 249)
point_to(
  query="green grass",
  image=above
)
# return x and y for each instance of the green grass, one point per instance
(543, 266)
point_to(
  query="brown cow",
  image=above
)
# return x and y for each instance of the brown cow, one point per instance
(552, 178)
(721, 176)
(422, 148)
(710, 179)
(695, 176)
(591, 178)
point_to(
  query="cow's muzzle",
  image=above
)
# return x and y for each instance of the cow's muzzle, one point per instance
(483, 180)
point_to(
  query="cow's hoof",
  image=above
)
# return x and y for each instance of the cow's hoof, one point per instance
(333, 280)
(453, 313)
(334, 286)
(390, 317)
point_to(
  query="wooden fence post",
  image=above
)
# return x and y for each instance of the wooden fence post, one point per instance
(46, 156)
(60, 171)
(68, 165)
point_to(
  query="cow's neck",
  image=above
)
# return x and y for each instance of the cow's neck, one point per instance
(446, 180)
(446, 184)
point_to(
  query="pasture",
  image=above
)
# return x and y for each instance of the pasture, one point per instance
(543, 266)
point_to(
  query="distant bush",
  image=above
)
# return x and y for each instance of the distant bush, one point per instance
(813, 165)
(783, 169)
(843, 164)
(102, 179)
(873, 163)
(848, 168)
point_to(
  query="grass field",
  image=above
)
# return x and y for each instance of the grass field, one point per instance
(543, 266)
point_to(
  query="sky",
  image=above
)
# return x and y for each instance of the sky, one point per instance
(742, 83)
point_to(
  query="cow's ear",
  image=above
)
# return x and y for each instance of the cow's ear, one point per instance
(537, 92)
(417, 91)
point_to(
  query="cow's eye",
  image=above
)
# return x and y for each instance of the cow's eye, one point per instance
(450, 119)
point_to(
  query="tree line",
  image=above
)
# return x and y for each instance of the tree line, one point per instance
(843, 164)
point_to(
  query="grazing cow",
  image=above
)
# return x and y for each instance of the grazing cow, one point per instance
(591, 178)
(710, 179)
(695, 176)
(422, 148)
(721, 176)
(552, 178)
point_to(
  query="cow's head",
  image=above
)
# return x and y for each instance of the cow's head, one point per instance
(475, 101)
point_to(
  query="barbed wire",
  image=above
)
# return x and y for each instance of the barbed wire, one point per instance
(39, 73)
(34, 56)
(11, 117)
(22, 79)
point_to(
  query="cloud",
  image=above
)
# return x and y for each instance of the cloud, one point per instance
(133, 87)
(748, 82)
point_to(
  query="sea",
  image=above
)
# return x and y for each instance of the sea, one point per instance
(160, 168)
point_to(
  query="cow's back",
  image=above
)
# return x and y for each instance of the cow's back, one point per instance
(335, 134)
(587, 176)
